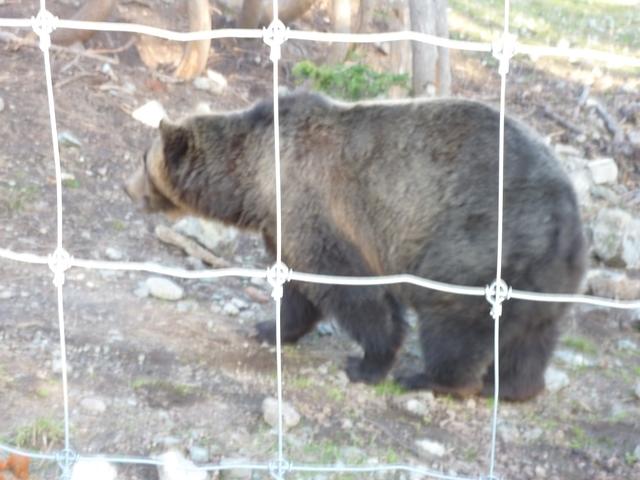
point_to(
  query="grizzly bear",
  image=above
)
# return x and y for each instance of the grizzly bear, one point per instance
(379, 188)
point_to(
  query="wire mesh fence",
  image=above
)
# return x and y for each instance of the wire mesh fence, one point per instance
(60, 261)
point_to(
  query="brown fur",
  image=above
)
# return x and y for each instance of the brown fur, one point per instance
(384, 188)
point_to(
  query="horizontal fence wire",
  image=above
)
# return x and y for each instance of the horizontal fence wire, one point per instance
(355, 281)
(503, 48)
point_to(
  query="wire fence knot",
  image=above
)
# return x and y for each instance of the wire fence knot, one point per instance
(278, 468)
(66, 459)
(504, 48)
(275, 35)
(277, 275)
(59, 262)
(43, 25)
(496, 294)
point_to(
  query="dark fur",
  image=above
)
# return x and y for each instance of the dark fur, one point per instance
(385, 188)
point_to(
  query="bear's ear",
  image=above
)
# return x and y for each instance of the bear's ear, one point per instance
(175, 141)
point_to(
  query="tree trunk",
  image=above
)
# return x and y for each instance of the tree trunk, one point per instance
(425, 56)
(365, 15)
(443, 79)
(341, 19)
(431, 68)
(196, 54)
(250, 13)
(288, 10)
(91, 11)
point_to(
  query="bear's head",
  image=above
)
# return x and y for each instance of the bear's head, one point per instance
(150, 185)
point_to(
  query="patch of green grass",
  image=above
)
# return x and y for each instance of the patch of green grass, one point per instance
(601, 24)
(391, 456)
(350, 82)
(71, 183)
(580, 344)
(164, 385)
(388, 388)
(335, 394)
(18, 199)
(42, 434)
(322, 452)
(630, 459)
(301, 383)
(580, 440)
(118, 225)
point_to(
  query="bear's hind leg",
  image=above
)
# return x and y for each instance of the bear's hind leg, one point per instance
(298, 317)
(523, 361)
(456, 349)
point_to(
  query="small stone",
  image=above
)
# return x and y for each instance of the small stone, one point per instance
(150, 113)
(199, 454)
(113, 254)
(633, 136)
(636, 452)
(533, 434)
(508, 433)
(176, 467)
(1, 104)
(415, 407)
(93, 468)
(142, 291)
(68, 139)
(230, 473)
(540, 471)
(164, 288)
(581, 180)
(637, 392)
(6, 294)
(185, 306)
(431, 447)
(211, 234)
(290, 417)
(628, 345)
(93, 405)
(231, 310)
(555, 379)
(214, 82)
(256, 294)
(240, 303)
(603, 170)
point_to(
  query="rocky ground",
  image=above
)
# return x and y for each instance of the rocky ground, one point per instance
(157, 367)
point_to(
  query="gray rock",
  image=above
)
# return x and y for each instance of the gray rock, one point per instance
(533, 434)
(608, 231)
(636, 452)
(230, 473)
(176, 467)
(113, 254)
(214, 82)
(213, 235)
(555, 379)
(93, 405)
(431, 447)
(581, 180)
(199, 454)
(1, 104)
(231, 310)
(164, 288)
(574, 359)
(93, 468)
(628, 345)
(290, 417)
(603, 170)
(613, 284)
(240, 303)
(631, 244)
(637, 392)
(6, 294)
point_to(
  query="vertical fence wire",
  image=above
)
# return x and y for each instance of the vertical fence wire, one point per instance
(505, 52)
(275, 58)
(58, 261)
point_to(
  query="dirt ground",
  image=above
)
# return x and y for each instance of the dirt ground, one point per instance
(147, 375)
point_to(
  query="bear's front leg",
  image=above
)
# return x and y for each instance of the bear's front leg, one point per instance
(298, 317)
(374, 319)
